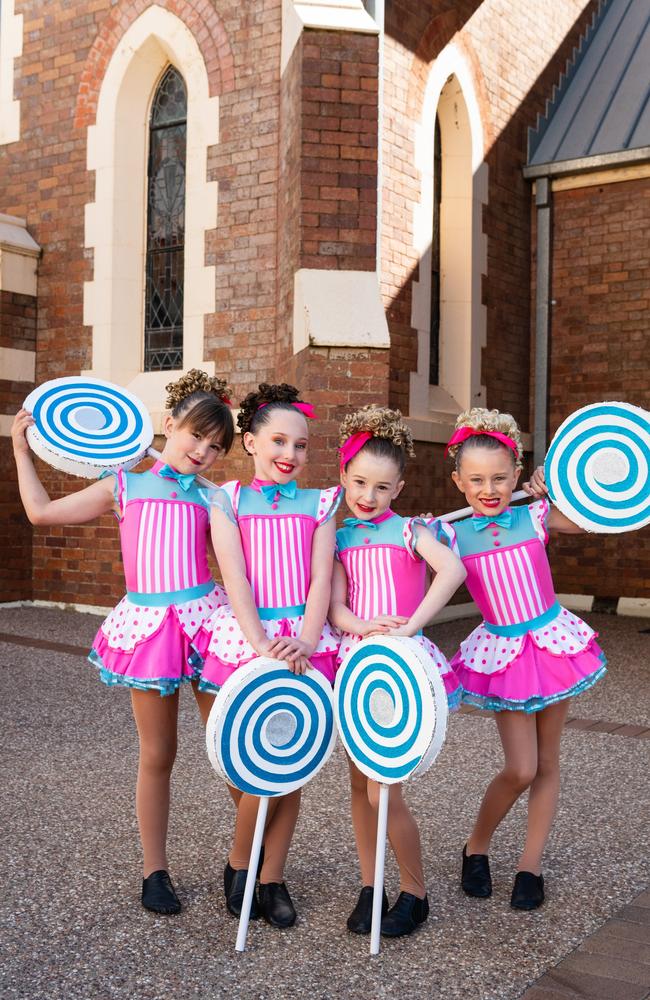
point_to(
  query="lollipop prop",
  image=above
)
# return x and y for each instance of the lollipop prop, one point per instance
(598, 467)
(269, 732)
(391, 713)
(85, 426)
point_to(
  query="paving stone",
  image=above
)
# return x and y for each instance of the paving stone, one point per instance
(594, 987)
(617, 947)
(636, 915)
(606, 967)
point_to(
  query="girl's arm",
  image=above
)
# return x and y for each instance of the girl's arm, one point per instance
(449, 574)
(341, 616)
(556, 521)
(226, 541)
(77, 508)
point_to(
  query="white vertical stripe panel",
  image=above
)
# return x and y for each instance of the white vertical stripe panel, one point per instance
(295, 545)
(530, 609)
(496, 597)
(194, 576)
(301, 565)
(283, 558)
(187, 517)
(370, 580)
(141, 552)
(148, 548)
(382, 584)
(169, 541)
(517, 597)
(391, 586)
(537, 602)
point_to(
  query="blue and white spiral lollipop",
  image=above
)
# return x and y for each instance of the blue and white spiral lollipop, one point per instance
(598, 467)
(270, 731)
(85, 426)
(391, 708)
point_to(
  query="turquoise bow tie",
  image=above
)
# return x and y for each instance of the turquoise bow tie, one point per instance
(184, 481)
(504, 519)
(271, 491)
(352, 522)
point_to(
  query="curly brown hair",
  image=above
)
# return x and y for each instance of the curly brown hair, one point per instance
(275, 397)
(202, 401)
(480, 419)
(391, 436)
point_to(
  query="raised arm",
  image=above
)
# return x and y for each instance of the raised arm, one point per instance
(76, 508)
(449, 573)
(556, 521)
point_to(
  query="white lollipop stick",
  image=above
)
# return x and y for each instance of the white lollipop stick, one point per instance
(258, 837)
(380, 857)
(455, 515)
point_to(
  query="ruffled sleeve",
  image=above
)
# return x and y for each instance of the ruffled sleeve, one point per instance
(119, 488)
(539, 511)
(328, 503)
(225, 498)
(443, 532)
(410, 535)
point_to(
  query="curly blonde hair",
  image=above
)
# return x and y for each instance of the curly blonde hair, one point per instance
(479, 419)
(194, 382)
(202, 401)
(391, 436)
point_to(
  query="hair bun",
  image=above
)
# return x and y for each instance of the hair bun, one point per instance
(194, 381)
(381, 422)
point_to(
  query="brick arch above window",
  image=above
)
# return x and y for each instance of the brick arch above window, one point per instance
(200, 18)
(117, 149)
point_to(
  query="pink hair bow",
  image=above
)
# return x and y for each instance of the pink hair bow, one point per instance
(463, 433)
(305, 408)
(352, 445)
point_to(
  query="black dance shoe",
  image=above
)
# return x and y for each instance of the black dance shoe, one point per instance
(275, 904)
(234, 883)
(158, 894)
(407, 913)
(360, 920)
(527, 892)
(476, 879)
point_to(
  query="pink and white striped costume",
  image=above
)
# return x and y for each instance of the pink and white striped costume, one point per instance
(529, 652)
(386, 576)
(156, 636)
(276, 533)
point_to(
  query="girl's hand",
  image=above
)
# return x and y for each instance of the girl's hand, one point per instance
(536, 487)
(22, 421)
(267, 648)
(382, 624)
(405, 630)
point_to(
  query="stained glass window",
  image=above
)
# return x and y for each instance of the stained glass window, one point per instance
(434, 322)
(163, 333)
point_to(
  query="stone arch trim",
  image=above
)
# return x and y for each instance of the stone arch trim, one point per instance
(441, 30)
(201, 19)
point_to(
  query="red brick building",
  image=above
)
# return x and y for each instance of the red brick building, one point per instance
(345, 208)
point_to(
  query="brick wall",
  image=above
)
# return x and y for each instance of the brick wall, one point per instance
(17, 332)
(599, 350)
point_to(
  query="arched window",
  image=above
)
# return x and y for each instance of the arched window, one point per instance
(163, 332)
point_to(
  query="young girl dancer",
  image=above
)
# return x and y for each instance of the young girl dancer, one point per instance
(529, 656)
(275, 546)
(379, 587)
(152, 642)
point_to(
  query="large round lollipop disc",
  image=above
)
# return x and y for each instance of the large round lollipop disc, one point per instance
(598, 467)
(85, 426)
(270, 731)
(391, 708)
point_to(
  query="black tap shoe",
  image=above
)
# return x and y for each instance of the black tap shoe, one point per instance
(275, 904)
(527, 892)
(234, 883)
(476, 879)
(360, 920)
(407, 913)
(158, 894)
